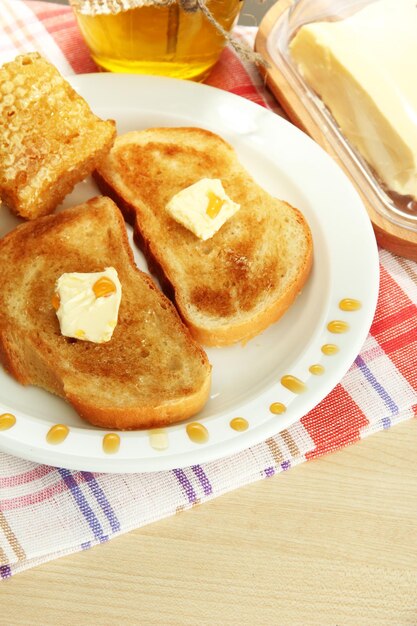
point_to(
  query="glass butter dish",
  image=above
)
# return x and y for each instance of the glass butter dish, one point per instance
(343, 70)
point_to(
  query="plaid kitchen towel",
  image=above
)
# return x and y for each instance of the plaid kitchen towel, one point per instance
(47, 512)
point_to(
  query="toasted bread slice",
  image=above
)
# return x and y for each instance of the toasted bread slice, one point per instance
(49, 137)
(151, 373)
(230, 287)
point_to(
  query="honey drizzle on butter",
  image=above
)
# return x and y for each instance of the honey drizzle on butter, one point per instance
(316, 369)
(57, 434)
(158, 439)
(293, 383)
(239, 424)
(349, 304)
(56, 301)
(197, 432)
(111, 443)
(329, 349)
(277, 408)
(104, 287)
(214, 205)
(7, 420)
(338, 327)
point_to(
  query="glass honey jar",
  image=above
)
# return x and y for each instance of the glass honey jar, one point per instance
(176, 38)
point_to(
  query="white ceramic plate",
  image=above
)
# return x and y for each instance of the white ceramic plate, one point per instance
(247, 379)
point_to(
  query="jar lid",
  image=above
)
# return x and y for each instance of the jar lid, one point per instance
(112, 7)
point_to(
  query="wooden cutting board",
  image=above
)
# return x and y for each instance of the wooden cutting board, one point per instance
(390, 236)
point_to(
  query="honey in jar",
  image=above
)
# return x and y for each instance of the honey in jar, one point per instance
(166, 40)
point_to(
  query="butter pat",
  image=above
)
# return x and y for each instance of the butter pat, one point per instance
(87, 304)
(202, 207)
(362, 67)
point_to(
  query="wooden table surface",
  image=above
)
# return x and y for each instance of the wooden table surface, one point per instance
(331, 542)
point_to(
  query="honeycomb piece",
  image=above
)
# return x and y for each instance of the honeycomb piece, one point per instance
(49, 137)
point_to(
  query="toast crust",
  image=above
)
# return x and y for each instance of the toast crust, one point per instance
(234, 285)
(150, 374)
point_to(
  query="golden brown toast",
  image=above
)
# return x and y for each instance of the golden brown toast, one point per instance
(151, 373)
(230, 287)
(49, 137)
